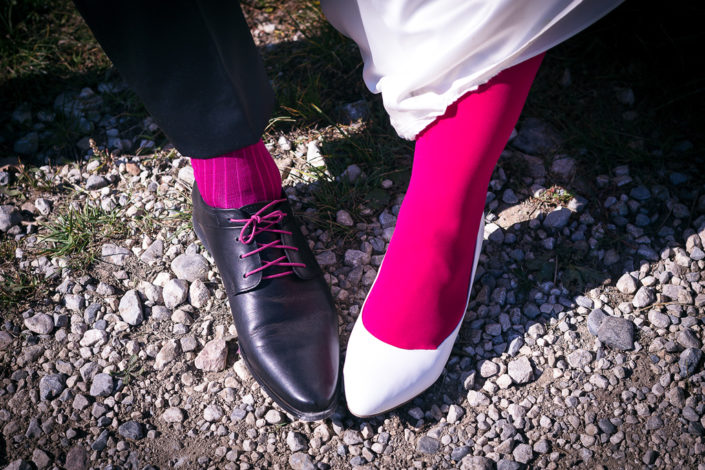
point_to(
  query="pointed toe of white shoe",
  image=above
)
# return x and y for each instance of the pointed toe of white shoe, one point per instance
(379, 377)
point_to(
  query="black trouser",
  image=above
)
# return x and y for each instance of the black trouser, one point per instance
(194, 65)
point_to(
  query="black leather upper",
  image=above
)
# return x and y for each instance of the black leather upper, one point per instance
(287, 326)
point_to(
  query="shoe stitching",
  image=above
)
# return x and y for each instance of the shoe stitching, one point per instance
(260, 222)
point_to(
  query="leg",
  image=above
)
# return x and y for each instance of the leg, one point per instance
(194, 65)
(197, 69)
(432, 251)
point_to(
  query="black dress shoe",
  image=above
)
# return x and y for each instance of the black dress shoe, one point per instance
(283, 311)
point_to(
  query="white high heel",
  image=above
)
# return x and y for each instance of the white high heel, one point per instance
(379, 377)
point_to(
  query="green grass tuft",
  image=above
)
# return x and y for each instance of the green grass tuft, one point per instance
(78, 232)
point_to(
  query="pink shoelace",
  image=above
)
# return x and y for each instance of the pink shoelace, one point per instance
(259, 223)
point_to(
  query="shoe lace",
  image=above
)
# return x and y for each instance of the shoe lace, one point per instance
(260, 222)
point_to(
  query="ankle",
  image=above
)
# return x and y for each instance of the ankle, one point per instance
(238, 178)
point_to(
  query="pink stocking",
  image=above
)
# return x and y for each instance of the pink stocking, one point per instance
(421, 291)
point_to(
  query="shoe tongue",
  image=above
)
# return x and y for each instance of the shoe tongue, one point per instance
(251, 209)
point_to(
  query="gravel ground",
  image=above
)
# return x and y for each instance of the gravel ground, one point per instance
(582, 346)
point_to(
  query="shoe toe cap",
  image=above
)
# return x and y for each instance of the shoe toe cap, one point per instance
(302, 378)
(379, 377)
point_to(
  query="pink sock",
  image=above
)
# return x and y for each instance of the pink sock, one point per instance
(238, 178)
(420, 294)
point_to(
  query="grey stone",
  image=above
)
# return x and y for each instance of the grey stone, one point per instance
(296, 441)
(313, 155)
(455, 413)
(428, 445)
(101, 441)
(34, 430)
(212, 413)
(154, 253)
(9, 217)
(488, 369)
(5, 340)
(198, 294)
(658, 319)
(169, 351)
(606, 426)
(459, 452)
(351, 437)
(301, 461)
(617, 333)
(627, 284)
(594, 320)
(473, 462)
(557, 218)
(504, 464)
(689, 360)
(80, 402)
(493, 233)
(523, 453)
(131, 430)
(536, 137)
(19, 464)
(351, 173)
(130, 308)
(186, 175)
(579, 358)
(74, 302)
(213, 357)
(697, 254)
(520, 370)
(76, 459)
(583, 301)
(40, 458)
(654, 422)
(515, 345)
(190, 267)
(96, 182)
(356, 258)
(326, 258)
(41, 323)
(43, 206)
(344, 218)
(644, 297)
(687, 339)
(51, 386)
(476, 398)
(104, 289)
(175, 292)
(509, 197)
(114, 254)
(543, 446)
(649, 457)
(535, 166)
(640, 193)
(564, 168)
(93, 336)
(173, 415)
(273, 417)
(102, 385)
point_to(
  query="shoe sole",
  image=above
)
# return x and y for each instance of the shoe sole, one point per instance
(301, 415)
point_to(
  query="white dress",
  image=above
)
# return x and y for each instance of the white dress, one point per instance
(423, 55)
